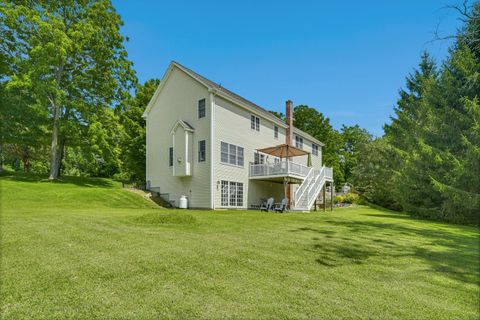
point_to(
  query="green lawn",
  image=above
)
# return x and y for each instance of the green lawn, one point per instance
(84, 248)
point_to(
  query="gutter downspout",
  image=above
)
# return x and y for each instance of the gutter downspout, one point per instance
(212, 149)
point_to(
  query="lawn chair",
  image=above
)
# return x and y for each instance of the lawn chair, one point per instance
(267, 206)
(281, 207)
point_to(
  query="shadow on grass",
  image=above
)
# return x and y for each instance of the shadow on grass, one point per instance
(447, 252)
(35, 178)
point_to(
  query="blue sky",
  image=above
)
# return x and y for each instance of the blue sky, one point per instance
(347, 59)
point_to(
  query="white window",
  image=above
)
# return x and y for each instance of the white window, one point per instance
(231, 194)
(224, 152)
(240, 156)
(275, 132)
(224, 193)
(170, 157)
(299, 142)
(201, 108)
(202, 154)
(258, 158)
(254, 123)
(314, 149)
(231, 154)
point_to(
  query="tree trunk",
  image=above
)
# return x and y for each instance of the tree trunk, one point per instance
(55, 152)
(55, 147)
(1, 158)
(62, 154)
(26, 160)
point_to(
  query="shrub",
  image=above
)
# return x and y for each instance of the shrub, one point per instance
(339, 199)
(351, 197)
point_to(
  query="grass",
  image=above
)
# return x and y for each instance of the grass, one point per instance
(84, 248)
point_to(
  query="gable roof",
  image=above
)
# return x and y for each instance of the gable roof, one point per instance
(225, 93)
(186, 126)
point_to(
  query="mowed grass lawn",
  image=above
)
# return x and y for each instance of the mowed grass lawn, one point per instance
(85, 248)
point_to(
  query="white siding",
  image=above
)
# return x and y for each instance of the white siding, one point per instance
(178, 100)
(233, 126)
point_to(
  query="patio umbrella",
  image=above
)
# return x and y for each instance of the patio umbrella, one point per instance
(284, 151)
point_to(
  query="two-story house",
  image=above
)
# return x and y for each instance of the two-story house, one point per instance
(203, 142)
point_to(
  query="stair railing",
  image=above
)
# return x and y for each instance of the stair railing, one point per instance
(303, 187)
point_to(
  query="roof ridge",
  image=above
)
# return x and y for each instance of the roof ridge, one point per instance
(249, 103)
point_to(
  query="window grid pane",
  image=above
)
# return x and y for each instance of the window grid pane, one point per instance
(224, 193)
(224, 152)
(275, 132)
(201, 108)
(298, 142)
(170, 156)
(252, 122)
(257, 123)
(233, 154)
(233, 194)
(201, 151)
(240, 156)
(239, 194)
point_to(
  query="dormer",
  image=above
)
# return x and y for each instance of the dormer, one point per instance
(182, 142)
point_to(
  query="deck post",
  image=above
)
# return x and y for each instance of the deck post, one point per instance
(324, 197)
(331, 196)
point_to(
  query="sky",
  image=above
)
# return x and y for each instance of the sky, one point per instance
(347, 59)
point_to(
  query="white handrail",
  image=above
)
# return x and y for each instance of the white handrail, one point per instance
(278, 168)
(300, 190)
(311, 187)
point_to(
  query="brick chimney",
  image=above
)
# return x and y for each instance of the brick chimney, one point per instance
(289, 120)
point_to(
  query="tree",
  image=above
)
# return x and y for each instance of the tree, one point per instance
(23, 125)
(353, 139)
(402, 132)
(279, 115)
(69, 55)
(436, 136)
(134, 139)
(373, 175)
(314, 123)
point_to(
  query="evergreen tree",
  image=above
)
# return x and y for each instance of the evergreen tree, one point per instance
(402, 132)
(372, 175)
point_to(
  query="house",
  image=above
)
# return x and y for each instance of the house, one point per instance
(205, 142)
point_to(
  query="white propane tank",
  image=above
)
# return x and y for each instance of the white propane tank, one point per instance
(182, 203)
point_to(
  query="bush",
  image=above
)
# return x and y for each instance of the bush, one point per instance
(339, 199)
(352, 197)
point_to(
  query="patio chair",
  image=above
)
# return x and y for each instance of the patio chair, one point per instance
(267, 206)
(281, 207)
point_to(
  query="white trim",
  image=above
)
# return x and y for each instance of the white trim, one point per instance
(185, 127)
(152, 101)
(187, 163)
(212, 150)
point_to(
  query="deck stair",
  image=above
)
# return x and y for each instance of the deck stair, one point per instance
(310, 188)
